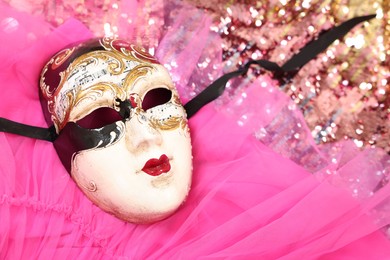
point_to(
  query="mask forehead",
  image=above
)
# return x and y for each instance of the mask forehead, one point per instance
(93, 74)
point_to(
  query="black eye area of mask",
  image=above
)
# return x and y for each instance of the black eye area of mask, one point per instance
(99, 118)
(156, 97)
(105, 116)
(74, 138)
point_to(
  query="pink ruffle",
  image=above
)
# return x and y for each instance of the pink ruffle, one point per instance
(251, 198)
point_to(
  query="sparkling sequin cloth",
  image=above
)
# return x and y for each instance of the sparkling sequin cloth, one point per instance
(344, 93)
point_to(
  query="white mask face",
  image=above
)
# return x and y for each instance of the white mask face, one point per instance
(140, 164)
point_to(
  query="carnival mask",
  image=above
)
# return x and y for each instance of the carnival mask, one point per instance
(122, 131)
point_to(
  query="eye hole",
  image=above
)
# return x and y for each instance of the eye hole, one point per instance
(156, 97)
(99, 118)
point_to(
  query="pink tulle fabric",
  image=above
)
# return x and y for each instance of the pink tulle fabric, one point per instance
(251, 197)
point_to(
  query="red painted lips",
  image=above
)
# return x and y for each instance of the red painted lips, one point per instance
(156, 167)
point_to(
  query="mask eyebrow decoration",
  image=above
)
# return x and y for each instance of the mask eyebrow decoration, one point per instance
(119, 127)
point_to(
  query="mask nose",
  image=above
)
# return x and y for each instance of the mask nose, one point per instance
(140, 135)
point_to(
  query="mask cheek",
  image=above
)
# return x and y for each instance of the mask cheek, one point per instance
(106, 177)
